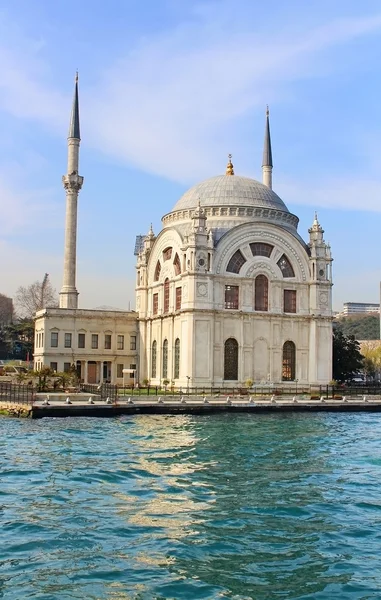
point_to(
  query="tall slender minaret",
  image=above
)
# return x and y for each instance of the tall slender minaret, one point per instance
(267, 162)
(72, 183)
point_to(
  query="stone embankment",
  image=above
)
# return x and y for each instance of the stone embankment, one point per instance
(13, 409)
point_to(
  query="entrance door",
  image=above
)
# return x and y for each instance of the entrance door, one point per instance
(92, 372)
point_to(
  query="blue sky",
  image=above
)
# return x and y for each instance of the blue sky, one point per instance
(167, 89)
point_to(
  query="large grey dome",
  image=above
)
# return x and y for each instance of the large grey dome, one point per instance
(230, 190)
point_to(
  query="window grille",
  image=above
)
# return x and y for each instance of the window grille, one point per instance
(231, 360)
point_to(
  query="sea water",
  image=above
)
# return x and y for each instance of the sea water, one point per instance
(187, 507)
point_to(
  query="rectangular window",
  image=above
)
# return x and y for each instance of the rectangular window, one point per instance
(155, 304)
(81, 340)
(178, 298)
(54, 339)
(107, 341)
(133, 374)
(54, 366)
(67, 340)
(231, 296)
(42, 339)
(66, 367)
(94, 341)
(289, 303)
(120, 342)
(133, 342)
(119, 371)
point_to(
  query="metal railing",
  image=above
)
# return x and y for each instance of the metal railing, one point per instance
(16, 393)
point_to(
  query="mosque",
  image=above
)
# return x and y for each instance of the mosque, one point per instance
(227, 291)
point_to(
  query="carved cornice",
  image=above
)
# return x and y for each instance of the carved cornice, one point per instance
(72, 183)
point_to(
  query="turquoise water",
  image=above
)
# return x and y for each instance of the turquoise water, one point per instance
(230, 506)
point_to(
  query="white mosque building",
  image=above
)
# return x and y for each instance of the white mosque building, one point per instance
(228, 291)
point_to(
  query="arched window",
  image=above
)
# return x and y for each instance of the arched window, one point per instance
(166, 295)
(167, 253)
(176, 373)
(289, 359)
(261, 249)
(231, 360)
(153, 359)
(261, 293)
(157, 271)
(165, 359)
(176, 264)
(236, 262)
(285, 266)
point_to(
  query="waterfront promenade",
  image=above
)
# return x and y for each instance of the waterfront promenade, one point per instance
(57, 405)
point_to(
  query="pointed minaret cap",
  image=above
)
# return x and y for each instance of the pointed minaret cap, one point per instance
(316, 225)
(74, 131)
(150, 232)
(267, 160)
(229, 167)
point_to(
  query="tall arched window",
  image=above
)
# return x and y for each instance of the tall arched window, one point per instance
(153, 359)
(231, 360)
(261, 293)
(166, 295)
(289, 359)
(176, 373)
(165, 359)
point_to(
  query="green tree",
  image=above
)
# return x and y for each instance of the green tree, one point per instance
(347, 358)
(362, 326)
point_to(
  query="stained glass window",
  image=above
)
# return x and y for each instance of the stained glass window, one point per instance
(261, 249)
(236, 262)
(231, 360)
(166, 295)
(261, 293)
(157, 271)
(288, 364)
(165, 359)
(285, 266)
(176, 264)
(167, 253)
(154, 357)
(177, 359)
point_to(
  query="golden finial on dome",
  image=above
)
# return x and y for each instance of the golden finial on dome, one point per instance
(230, 167)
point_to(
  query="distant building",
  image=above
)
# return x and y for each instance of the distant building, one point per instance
(352, 308)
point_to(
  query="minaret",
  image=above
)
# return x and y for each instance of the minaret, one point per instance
(267, 162)
(72, 183)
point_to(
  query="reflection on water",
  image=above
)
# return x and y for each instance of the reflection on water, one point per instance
(228, 506)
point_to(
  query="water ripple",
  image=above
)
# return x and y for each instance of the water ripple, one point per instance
(186, 507)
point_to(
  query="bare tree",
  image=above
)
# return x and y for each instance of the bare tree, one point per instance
(6, 310)
(34, 297)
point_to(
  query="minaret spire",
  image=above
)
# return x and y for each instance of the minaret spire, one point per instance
(74, 131)
(72, 183)
(267, 162)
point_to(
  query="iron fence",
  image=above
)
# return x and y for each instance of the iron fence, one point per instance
(17, 393)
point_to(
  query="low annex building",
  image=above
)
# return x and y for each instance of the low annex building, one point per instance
(101, 344)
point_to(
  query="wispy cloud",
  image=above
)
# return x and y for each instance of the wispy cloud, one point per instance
(171, 104)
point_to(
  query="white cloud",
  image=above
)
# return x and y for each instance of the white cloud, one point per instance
(170, 106)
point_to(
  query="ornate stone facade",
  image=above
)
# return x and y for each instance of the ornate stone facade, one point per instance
(229, 291)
